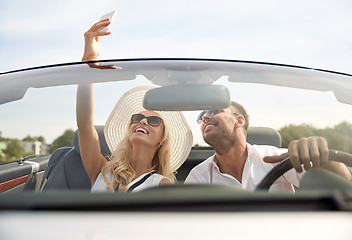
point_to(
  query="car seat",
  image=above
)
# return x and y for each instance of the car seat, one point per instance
(264, 136)
(65, 169)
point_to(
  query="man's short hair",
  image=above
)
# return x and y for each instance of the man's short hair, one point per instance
(242, 111)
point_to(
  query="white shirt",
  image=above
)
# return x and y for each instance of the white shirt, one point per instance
(101, 186)
(255, 169)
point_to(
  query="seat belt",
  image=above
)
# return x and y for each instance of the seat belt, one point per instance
(136, 184)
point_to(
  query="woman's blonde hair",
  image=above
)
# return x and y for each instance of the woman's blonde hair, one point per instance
(120, 162)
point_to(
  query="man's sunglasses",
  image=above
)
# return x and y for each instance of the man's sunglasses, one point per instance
(153, 121)
(210, 112)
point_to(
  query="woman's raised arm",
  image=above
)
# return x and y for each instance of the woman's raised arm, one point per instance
(91, 156)
(89, 144)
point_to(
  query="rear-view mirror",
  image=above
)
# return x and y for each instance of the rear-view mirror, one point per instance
(187, 97)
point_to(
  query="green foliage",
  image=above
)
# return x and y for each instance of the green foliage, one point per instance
(64, 140)
(28, 138)
(41, 139)
(338, 137)
(293, 132)
(14, 150)
(3, 157)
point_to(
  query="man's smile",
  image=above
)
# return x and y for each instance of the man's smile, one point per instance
(207, 126)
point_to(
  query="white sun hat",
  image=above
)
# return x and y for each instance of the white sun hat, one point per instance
(132, 102)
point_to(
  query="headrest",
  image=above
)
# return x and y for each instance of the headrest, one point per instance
(103, 146)
(264, 136)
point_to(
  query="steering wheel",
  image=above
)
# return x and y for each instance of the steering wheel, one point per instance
(286, 165)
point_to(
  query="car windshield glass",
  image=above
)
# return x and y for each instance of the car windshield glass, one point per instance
(46, 113)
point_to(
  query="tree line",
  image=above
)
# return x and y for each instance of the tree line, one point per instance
(15, 151)
(338, 137)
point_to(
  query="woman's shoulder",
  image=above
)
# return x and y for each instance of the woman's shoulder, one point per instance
(100, 184)
(160, 177)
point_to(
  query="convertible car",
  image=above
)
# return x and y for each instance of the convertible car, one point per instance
(45, 191)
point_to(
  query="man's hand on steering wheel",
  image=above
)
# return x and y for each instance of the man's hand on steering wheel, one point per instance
(309, 152)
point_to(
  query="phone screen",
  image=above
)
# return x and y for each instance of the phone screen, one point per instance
(111, 16)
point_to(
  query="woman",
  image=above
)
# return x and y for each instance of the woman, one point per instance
(147, 147)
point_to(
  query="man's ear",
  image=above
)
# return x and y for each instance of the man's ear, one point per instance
(240, 121)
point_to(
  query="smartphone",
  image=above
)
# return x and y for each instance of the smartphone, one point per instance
(111, 16)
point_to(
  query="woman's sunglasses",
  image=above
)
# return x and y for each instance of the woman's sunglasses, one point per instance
(153, 121)
(211, 112)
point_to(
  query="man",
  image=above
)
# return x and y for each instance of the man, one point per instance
(237, 163)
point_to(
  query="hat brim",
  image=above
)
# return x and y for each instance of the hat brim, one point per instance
(132, 102)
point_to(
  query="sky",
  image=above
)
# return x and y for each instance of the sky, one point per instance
(307, 33)
(315, 34)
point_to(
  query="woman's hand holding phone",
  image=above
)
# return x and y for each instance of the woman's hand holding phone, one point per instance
(92, 36)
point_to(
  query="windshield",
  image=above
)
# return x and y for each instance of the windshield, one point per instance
(294, 112)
